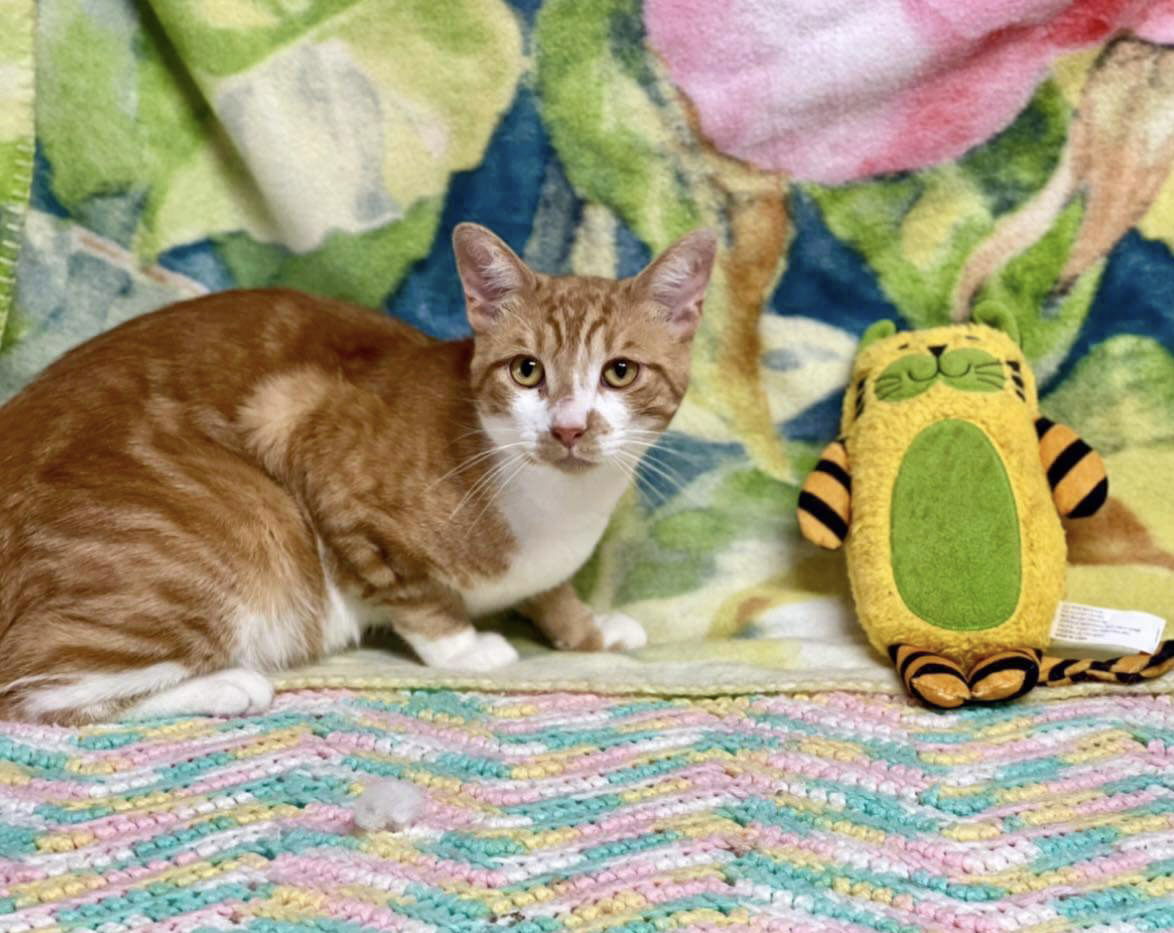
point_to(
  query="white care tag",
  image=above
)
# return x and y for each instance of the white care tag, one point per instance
(1086, 629)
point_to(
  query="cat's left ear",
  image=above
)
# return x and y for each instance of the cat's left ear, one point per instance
(677, 280)
(490, 273)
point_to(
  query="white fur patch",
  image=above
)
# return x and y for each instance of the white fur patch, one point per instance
(614, 410)
(467, 650)
(233, 692)
(621, 631)
(557, 519)
(269, 642)
(96, 692)
(344, 620)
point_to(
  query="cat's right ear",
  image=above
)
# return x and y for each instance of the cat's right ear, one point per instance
(490, 273)
(677, 279)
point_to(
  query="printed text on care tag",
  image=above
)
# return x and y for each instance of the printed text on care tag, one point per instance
(1118, 630)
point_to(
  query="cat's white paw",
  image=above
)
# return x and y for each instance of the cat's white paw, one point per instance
(233, 692)
(238, 683)
(469, 650)
(489, 652)
(621, 631)
(387, 804)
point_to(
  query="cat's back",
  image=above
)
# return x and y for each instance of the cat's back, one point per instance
(133, 416)
(217, 342)
(199, 357)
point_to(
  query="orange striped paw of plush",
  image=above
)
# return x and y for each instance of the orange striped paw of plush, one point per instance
(946, 488)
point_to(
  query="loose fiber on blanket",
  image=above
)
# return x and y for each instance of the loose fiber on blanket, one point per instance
(550, 812)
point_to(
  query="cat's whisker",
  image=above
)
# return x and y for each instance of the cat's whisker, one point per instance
(660, 470)
(665, 469)
(471, 461)
(486, 481)
(629, 471)
(632, 471)
(472, 490)
(501, 487)
(486, 488)
(652, 447)
(648, 437)
(673, 485)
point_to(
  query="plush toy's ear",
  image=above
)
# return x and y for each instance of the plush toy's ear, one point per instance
(877, 331)
(995, 315)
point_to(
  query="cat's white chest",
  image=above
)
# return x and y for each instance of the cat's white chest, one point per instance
(556, 520)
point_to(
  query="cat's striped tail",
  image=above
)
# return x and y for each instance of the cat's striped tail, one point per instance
(1125, 670)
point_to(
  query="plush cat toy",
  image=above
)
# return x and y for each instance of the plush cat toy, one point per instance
(946, 485)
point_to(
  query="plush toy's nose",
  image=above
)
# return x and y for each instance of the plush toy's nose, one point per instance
(938, 350)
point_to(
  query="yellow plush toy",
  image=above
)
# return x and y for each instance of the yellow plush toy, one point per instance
(947, 485)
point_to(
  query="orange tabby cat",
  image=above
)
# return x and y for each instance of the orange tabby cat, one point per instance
(244, 482)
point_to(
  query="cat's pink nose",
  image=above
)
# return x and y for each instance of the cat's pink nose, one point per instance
(568, 434)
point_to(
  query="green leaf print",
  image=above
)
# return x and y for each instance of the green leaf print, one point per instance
(607, 120)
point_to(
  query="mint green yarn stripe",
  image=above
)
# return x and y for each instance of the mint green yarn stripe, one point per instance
(785, 876)
(158, 902)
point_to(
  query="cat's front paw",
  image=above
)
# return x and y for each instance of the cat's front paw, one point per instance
(489, 652)
(621, 632)
(467, 651)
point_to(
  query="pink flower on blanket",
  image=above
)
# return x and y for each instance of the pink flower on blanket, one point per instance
(834, 90)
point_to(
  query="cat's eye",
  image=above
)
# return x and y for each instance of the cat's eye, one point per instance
(527, 371)
(620, 373)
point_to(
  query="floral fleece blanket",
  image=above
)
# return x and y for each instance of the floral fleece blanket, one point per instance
(884, 159)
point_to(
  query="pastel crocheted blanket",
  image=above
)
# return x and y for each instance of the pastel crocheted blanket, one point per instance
(880, 159)
(832, 813)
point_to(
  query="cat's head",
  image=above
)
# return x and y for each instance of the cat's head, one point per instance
(575, 371)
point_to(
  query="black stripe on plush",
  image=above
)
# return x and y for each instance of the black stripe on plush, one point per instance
(835, 471)
(934, 668)
(1030, 668)
(824, 513)
(910, 658)
(1042, 426)
(1092, 500)
(1068, 458)
(1017, 663)
(1060, 670)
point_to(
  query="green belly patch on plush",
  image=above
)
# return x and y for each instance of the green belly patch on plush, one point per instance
(954, 530)
(946, 488)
